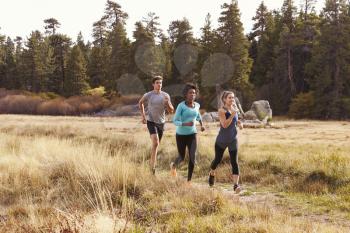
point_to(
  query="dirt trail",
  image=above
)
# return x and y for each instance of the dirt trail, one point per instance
(273, 201)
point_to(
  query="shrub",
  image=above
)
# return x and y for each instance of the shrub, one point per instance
(56, 107)
(19, 104)
(98, 91)
(48, 103)
(302, 106)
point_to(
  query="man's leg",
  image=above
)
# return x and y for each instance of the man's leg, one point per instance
(154, 150)
(155, 143)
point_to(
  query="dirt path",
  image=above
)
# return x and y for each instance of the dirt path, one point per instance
(274, 201)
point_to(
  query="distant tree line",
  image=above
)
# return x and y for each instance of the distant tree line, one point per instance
(294, 57)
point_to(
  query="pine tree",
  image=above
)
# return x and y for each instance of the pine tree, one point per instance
(76, 81)
(148, 58)
(262, 46)
(208, 38)
(84, 48)
(165, 46)
(36, 63)
(99, 57)
(306, 31)
(119, 59)
(2, 57)
(19, 70)
(207, 44)
(261, 17)
(329, 70)
(99, 33)
(282, 88)
(233, 42)
(60, 45)
(51, 25)
(180, 34)
(114, 14)
(118, 42)
(152, 25)
(9, 67)
(143, 52)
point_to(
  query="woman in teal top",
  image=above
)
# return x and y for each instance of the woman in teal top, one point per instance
(186, 115)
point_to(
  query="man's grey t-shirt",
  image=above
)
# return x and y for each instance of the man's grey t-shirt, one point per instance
(156, 106)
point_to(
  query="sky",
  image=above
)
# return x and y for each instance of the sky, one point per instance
(20, 17)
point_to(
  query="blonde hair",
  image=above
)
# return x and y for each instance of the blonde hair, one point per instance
(224, 96)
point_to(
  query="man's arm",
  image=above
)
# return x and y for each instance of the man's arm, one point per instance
(168, 104)
(142, 109)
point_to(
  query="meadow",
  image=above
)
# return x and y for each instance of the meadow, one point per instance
(84, 174)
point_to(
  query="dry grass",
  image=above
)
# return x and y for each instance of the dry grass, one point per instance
(67, 174)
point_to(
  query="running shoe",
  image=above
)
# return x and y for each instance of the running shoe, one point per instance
(237, 188)
(211, 180)
(173, 172)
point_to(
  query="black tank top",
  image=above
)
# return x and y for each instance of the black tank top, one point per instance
(228, 137)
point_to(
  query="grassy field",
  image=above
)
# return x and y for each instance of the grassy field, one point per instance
(70, 174)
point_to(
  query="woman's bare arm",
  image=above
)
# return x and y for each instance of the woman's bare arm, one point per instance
(223, 121)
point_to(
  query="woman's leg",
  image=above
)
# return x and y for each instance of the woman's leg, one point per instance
(181, 148)
(233, 150)
(192, 148)
(219, 153)
(234, 164)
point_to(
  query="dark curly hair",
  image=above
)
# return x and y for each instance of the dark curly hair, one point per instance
(189, 86)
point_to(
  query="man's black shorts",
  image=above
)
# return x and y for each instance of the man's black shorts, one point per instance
(155, 128)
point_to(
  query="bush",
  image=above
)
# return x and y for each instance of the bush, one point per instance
(48, 95)
(98, 91)
(87, 104)
(17, 102)
(124, 100)
(302, 106)
(4, 92)
(56, 107)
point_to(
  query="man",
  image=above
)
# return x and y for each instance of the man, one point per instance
(157, 102)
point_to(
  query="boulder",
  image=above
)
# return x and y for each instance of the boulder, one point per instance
(258, 116)
(206, 117)
(253, 124)
(210, 117)
(262, 109)
(250, 115)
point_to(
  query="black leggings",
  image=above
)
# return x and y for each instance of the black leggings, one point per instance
(219, 153)
(189, 141)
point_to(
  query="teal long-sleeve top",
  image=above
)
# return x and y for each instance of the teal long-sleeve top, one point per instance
(186, 114)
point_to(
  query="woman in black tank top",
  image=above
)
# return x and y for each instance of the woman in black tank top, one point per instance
(227, 138)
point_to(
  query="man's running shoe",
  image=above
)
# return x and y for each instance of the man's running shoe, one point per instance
(237, 188)
(173, 172)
